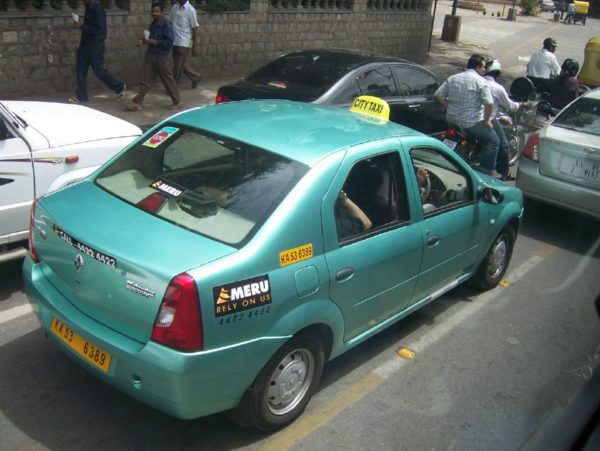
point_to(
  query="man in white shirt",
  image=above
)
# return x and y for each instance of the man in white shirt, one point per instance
(469, 103)
(501, 99)
(543, 64)
(186, 29)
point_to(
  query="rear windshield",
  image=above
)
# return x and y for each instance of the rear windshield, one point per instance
(583, 115)
(215, 186)
(311, 75)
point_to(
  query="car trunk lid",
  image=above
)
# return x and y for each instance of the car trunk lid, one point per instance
(570, 156)
(113, 261)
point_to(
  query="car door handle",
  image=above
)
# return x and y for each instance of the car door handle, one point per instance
(433, 240)
(414, 106)
(344, 273)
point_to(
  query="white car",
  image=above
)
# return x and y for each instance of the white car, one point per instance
(547, 6)
(560, 164)
(45, 146)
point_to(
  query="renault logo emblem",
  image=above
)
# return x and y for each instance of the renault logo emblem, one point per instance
(78, 262)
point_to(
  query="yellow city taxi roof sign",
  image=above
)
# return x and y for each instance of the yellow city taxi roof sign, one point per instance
(373, 107)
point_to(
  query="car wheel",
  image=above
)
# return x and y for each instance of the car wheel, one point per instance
(284, 386)
(496, 260)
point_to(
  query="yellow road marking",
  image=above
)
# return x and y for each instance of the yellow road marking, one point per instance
(309, 423)
(504, 283)
(406, 353)
(546, 251)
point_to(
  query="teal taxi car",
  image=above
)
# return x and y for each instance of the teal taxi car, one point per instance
(220, 260)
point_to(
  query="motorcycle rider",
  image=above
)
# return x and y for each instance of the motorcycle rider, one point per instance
(469, 103)
(492, 70)
(565, 88)
(543, 65)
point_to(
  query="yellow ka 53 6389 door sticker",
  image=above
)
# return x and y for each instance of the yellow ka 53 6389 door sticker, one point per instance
(242, 295)
(296, 254)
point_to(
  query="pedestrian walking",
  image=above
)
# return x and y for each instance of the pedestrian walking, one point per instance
(570, 12)
(157, 61)
(187, 35)
(563, 9)
(91, 52)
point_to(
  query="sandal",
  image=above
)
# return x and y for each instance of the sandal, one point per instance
(134, 107)
(176, 106)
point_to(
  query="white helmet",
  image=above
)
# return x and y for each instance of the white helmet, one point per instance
(492, 65)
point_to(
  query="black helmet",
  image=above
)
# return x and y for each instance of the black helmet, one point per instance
(570, 67)
(549, 43)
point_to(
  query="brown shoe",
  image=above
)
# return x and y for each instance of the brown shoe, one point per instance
(176, 106)
(134, 107)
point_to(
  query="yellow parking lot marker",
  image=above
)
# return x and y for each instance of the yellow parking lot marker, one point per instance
(504, 283)
(406, 353)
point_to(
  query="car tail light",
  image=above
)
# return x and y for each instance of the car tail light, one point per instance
(532, 147)
(178, 324)
(222, 98)
(152, 203)
(32, 251)
(451, 132)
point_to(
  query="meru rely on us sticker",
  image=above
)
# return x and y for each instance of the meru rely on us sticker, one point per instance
(242, 295)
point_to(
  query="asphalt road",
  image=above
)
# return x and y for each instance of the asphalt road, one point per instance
(489, 368)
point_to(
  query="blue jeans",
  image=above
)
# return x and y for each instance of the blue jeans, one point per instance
(92, 54)
(489, 141)
(502, 164)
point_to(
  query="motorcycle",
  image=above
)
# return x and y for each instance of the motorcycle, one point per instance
(517, 125)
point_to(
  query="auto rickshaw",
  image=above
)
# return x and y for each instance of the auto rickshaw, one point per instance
(581, 10)
(589, 74)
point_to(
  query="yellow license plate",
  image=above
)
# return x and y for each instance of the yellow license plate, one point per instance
(84, 348)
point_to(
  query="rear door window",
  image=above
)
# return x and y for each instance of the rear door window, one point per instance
(378, 82)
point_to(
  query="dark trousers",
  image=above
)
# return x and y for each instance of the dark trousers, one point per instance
(489, 143)
(161, 66)
(502, 165)
(181, 65)
(93, 55)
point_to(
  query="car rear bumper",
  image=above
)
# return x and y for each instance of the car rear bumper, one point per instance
(556, 192)
(184, 385)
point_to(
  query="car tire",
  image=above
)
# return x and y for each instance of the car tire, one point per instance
(284, 386)
(494, 264)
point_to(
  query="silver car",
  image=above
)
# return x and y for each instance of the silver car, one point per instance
(560, 164)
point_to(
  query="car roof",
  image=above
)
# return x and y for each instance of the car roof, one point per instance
(301, 131)
(348, 58)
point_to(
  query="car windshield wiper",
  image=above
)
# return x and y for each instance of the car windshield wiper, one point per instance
(15, 119)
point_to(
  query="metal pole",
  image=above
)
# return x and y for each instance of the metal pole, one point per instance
(455, 5)
(432, 21)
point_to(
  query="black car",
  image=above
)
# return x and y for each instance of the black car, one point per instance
(336, 77)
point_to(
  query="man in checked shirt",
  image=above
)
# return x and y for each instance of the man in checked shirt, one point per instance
(469, 104)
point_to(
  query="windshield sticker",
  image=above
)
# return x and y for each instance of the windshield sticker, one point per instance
(168, 188)
(296, 254)
(158, 138)
(372, 107)
(243, 295)
(84, 249)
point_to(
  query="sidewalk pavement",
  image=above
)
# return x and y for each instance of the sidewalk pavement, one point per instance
(444, 59)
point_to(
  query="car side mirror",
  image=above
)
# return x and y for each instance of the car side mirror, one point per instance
(491, 195)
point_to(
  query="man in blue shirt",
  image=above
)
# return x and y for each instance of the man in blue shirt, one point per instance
(91, 52)
(158, 60)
